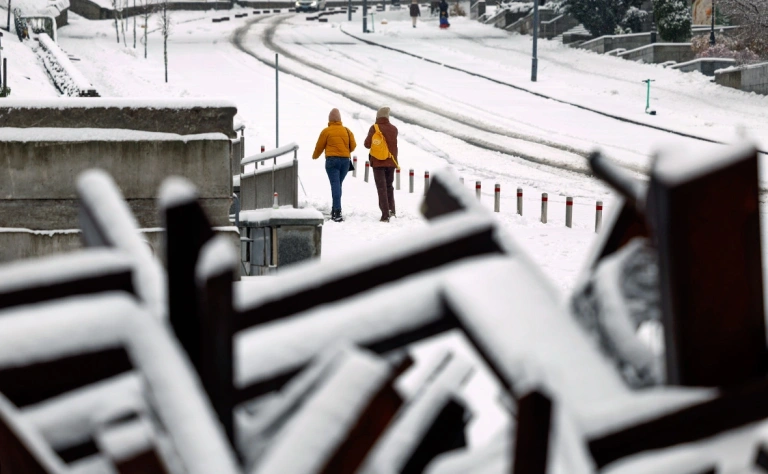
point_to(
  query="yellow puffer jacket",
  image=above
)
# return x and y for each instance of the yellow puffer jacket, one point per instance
(335, 140)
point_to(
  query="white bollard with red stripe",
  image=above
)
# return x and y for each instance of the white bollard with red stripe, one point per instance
(497, 198)
(520, 201)
(598, 215)
(410, 181)
(478, 189)
(367, 168)
(275, 205)
(569, 211)
(397, 179)
(544, 203)
(354, 164)
(262, 148)
(426, 182)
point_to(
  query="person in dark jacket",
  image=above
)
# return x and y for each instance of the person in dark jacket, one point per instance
(415, 11)
(384, 170)
(444, 14)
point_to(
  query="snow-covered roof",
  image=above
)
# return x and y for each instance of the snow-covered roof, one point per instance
(42, 7)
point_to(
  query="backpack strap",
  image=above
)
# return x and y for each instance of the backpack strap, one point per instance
(376, 127)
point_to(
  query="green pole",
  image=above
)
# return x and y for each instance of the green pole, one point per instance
(648, 96)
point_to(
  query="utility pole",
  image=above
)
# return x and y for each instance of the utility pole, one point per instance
(9, 17)
(535, 60)
(365, 16)
(349, 10)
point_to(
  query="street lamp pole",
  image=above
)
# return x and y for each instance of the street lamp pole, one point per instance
(712, 30)
(535, 59)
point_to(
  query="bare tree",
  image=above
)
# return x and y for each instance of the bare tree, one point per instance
(147, 8)
(122, 20)
(115, 15)
(752, 16)
(134, 24)
(9, 16)
(164, 20)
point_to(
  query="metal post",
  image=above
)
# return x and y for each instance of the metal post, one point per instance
(8, 27)
(397, 179)
(569, 211)
(367, 167)
(274, 247)
(349, 10)
(535, 59)
(5, 73)
(277, 106)
(354, 163)
(497, 198)
(1, 55)
(410, 180)
(598, 215)
(365, 16)
(296, 179)
(373, 24)
(712, 30)
(543, 208)
(520, 201)
(262, 148)
(426, 182)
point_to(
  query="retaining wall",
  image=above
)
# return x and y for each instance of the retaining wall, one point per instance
(604, 44)
(67, 78)
(660, 53)
(749, 78)
(179, 116)
(92, 11)
(41, 165)
(706, 66)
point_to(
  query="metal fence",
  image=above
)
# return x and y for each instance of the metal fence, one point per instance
(258, 186)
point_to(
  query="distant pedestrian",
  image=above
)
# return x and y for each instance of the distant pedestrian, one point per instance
(444, 14)
(415, 11)
(382, 141)
(338, 143)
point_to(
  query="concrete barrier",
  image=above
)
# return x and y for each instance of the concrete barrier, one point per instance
(660, 53)
(38, 172)
(752, 78)
(706, 66)
(608, 43)
(180, 116)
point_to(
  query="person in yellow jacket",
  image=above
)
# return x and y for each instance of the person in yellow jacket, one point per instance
(338, 143)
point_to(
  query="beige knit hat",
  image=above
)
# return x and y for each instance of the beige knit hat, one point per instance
(383, 113)
(334, 116)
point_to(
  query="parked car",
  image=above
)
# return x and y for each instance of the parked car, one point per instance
(310, 5)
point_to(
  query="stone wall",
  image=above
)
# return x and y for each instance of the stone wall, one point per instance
(706, 66)
(179, 116)
(660, 53)
(40, 168)
(749, 78)
(605, 44)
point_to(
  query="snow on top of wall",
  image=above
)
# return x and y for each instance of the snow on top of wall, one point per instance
(77, 135)
(81, 82)
(63, 103)
(264, 169)
(88, 323)
(273, 348)
(127, 440)
(177, 191)
(397, 445)
(216, 257)
(675, 164)
(61, 267)
(105, 201)
(312, 435)
(285, 212)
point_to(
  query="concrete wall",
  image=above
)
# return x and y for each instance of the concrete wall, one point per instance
(175, 116)
(749, 79)
(660, 53)
(706, 66)
(18, 244)
(37, 178)
(604, 44)
(92, 11)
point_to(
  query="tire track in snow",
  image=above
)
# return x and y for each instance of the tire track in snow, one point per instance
(238, 39)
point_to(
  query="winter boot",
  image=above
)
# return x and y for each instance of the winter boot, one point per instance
(392, 214)
(336, 215)
(384, 219)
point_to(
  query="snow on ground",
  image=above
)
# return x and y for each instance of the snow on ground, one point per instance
(26, 75)
(445, 117)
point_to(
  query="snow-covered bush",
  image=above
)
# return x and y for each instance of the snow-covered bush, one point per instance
(752, 18)
(603, 17)
(725, 47)
(673, 19)
(457, 10)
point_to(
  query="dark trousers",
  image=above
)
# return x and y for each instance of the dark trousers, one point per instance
(384, 178)
(337, 168)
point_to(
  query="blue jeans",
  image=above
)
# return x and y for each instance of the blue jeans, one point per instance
(337, 169)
